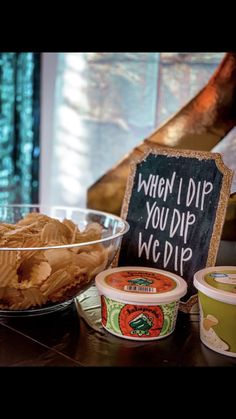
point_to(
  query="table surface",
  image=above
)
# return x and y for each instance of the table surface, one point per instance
(74, 337)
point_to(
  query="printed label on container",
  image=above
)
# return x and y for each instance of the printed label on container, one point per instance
(223, 280)
(136, 321)
(140, 282)
(217, 325)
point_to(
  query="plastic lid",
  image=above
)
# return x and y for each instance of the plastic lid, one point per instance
(218, 282)
(141, 285)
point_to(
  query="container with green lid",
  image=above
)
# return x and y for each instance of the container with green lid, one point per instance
(217, 301)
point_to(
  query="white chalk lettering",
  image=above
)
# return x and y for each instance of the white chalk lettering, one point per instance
(181, 221)
(167, 253)
(180, 190)
(190, 220)
(181, 255)
(143, 184)
(176, 258)
(186, 255)
(182, 224)
(156, 187)
(194, 192)
(207, 188)
(155, 254)
(150, 213)
(198, 194)
(175, 222)
(169, 186)
(153, 186)
(146, 248)
(164, 218)
(190, 192)
(156, 217)
(161, 188)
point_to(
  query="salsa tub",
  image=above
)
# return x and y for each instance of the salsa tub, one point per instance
(139, 303)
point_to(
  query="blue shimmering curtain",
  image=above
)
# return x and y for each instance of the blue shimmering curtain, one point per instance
(19, 127)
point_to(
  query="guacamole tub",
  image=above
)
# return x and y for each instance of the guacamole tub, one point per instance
(217, 302)
(139, 303)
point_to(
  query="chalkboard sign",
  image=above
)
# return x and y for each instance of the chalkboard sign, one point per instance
(175, 203)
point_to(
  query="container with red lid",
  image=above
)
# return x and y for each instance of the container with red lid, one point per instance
(139, 303)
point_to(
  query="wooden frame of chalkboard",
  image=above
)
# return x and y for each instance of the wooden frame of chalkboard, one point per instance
(175, 203)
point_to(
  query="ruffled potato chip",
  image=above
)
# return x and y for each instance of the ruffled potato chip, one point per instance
(34, 217)
(24, 299)
(34, 272)
(70, 290)
(34, 278)
(9, 257)
(92, 260)
(58, 258)
(92, 232)
(56, 281)
(8, 275)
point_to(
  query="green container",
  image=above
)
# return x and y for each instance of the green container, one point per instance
(217, 301)
(139, 303)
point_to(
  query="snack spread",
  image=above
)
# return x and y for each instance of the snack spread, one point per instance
(139, 303)
(33, 278)
(217, 301)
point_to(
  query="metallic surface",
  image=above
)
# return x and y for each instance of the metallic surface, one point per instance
(199, 125)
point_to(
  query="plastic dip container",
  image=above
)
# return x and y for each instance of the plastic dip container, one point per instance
(217, 302)
(139, 303)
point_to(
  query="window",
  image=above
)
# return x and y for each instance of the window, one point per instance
(105, 104)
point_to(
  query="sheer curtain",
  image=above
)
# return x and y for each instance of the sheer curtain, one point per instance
(106, 103)
(19, 127)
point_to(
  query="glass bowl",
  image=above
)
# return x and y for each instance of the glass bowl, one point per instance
(48, 255)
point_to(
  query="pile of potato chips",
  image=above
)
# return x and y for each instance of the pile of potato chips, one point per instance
(34, 278)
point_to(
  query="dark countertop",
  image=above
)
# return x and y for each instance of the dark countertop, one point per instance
(64, 339)
(74, 337)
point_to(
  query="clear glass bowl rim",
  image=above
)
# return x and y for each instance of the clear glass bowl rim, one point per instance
(124, 223)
